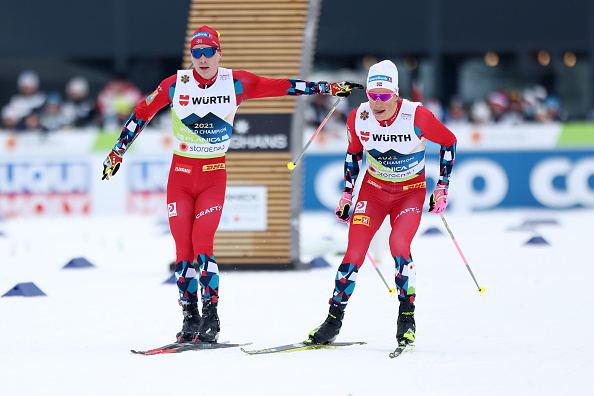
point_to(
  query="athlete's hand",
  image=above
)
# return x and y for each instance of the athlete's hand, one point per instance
(439, 200)
(344, 88)
(111, 165)
(342, 210)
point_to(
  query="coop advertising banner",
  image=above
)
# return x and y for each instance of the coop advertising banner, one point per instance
(556, 179)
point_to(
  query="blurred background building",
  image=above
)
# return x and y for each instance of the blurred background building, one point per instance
(453, 53)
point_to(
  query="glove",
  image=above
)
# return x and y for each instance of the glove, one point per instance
(342, 89)
(342, 210)
(111, 165)
(439, 200)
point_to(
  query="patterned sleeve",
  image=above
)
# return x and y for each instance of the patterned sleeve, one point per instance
(354, 155)
(431, 128)
(144, 112)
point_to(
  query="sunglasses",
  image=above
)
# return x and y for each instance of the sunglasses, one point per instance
(208, 52)
(384, 97)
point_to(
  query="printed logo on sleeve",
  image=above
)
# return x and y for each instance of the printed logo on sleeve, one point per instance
(361, 207)
(183, 168)
(360, 219)
(172, 209)
(150, 98)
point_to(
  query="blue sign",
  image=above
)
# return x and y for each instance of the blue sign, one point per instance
(480, 181)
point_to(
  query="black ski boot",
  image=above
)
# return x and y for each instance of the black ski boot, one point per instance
(328, 331)
(189, 331)
(405, 330)
(210, 326)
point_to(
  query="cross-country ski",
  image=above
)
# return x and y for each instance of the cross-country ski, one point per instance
(301, 346)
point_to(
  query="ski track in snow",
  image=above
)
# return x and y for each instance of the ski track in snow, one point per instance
(528, 334)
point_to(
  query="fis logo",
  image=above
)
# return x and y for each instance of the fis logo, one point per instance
(365, 136)
(360, 219)
(172, 209)
(184, 100)
(212, 167)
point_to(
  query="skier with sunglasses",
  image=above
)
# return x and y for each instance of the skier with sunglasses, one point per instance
(392, 132)
(203, 103)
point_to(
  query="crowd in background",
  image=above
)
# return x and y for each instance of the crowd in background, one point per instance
(503, 107)
(32, 109)
(500, 107)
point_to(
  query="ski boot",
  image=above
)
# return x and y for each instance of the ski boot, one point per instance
(189, 331)
(210, 326)
(328, 331)
(405, 330)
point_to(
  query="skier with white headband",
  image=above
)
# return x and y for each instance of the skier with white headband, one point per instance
(392, 132)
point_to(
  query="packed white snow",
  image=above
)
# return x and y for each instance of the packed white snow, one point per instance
(530, 333)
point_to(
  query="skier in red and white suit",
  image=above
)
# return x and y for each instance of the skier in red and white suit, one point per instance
(203, 103)
(392, 132)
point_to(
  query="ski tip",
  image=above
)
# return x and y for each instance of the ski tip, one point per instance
(400, 350)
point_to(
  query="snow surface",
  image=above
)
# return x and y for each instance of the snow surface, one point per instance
(529, 334)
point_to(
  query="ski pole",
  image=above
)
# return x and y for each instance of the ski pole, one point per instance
(390, 289)
(480, 289)
(291, 165)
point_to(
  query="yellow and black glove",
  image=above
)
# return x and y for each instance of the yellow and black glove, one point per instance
(111, 165)
(341, 89)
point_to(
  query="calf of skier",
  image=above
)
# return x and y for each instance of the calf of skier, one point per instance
(203, 103)
(392, 133)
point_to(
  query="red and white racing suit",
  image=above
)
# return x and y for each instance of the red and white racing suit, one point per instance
(203, 112)
(394, 185)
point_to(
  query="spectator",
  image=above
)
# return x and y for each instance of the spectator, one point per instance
(553, 110)
(498, 104)
(28, 99)
(515, 111)
(78, 109)
(31, 123)
(480, 112)
(116, 101)
(10, 119)
(456, 113)
(533, 103)
(51, 118)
